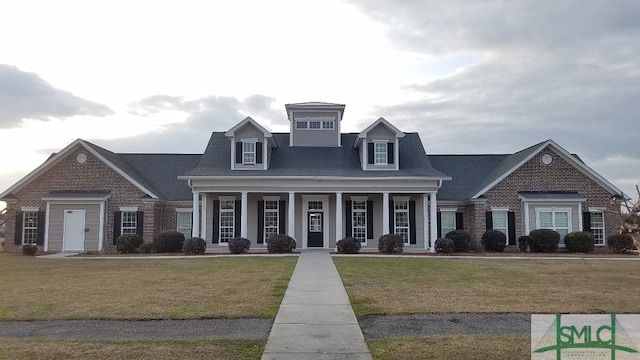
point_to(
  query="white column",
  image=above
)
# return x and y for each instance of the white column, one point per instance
(243, 215)
(385, 213)
(195, 224)
(579, 217)
(527, 228)
(425, 220)
(291, 221)
(338, 216)
(203, 213)
(434, 223)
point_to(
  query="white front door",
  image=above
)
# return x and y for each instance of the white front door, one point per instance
(73, 237)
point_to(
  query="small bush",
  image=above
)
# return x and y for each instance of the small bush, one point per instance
(544, 240)
(390, 243)
(194, 246)
(239, 245)
(579, 241)
(445, 245)
(146, 248)
(30, 250)
(129, 243)
(460, 239)
(494, 240)
(620, 243)
(280, 244)
(168, 241)
(523, 242)
(349, 245)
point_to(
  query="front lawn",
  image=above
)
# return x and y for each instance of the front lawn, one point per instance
(204, 287)
(380, 285)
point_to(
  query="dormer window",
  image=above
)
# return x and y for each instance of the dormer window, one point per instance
(380, 155)
(248, 152)
(315, 124)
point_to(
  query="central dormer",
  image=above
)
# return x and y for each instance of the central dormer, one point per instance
(315, 124)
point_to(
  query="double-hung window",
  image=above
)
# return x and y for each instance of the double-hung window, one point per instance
(555, 219)
(597, 227)
(248, 152)
(129, 222)
(401, 216)
(380, 153)
(447, 222)
(30, 227)
(500, 221)
(227, 220)
(184, 220)
(271, 220)
(359, 220)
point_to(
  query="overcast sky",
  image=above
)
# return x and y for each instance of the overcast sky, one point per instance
(492, 76)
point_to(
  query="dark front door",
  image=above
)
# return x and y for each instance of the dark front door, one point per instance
(315, 236)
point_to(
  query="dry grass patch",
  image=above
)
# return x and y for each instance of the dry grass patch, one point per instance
(208, 287)
(112, 350)
(427, 285)
(478, 347)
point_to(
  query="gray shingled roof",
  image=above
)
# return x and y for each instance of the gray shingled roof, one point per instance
(316, 161)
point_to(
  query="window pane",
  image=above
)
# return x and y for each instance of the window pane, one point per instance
(301, 124)
(327, 124)
(597, 227)
(448, 222)
(129, 222)
(380, 152)
(184, 223)
(500, 221)
(314, 124)
(30, 227)
(248, 153)
(562, 219)
(546, 220)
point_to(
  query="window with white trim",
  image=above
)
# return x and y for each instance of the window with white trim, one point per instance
(555, 219)
(359, 220)
(315, 205)
(271, 220)
(227, 220)
(500, 223)
(315, 124)
(301, 125)
(401, 217)
(380, 153)
(129, 222)
(447, 222)
(29, 227)
(184, 221)
(248, 152)
(597, 227)
(327, 125)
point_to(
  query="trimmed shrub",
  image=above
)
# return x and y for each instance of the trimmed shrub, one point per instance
(168, 241)
(390, 243)
(194, 246)
(460, 238)
(146, 248)
(349, 245)
(544, 240)
(445, 245)
(30, 250)
(280, 244)
(129, 243)
(239, 245)
(579, 241)
(523, 242)
(494, 240)
(620, 243)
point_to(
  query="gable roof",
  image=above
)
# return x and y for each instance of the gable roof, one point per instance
(474, 175)
(363, 134)
(299, 161)
(248, 120)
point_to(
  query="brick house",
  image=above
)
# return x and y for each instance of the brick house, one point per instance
(313, 183)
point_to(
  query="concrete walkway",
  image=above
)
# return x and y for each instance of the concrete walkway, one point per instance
(315, 319)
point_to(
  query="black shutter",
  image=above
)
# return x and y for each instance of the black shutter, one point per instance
(117, 226)
(18, 228)
(238, 152)
(238, 216)
(412, 222)
(511, 224)
(392, 223)
(459, 221)
(258, 153)
(348, 219)
(282, 217)
(439, 223)
(390, 155)
(216, 221)
(489, 220)
(260, 239)
(41, 225)
(370, 154)
(586, 221)
(140, 223)
(369, 219)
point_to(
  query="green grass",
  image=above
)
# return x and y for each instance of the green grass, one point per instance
(206, 287)
(113, 350)
(477, 347)
(426, 285)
